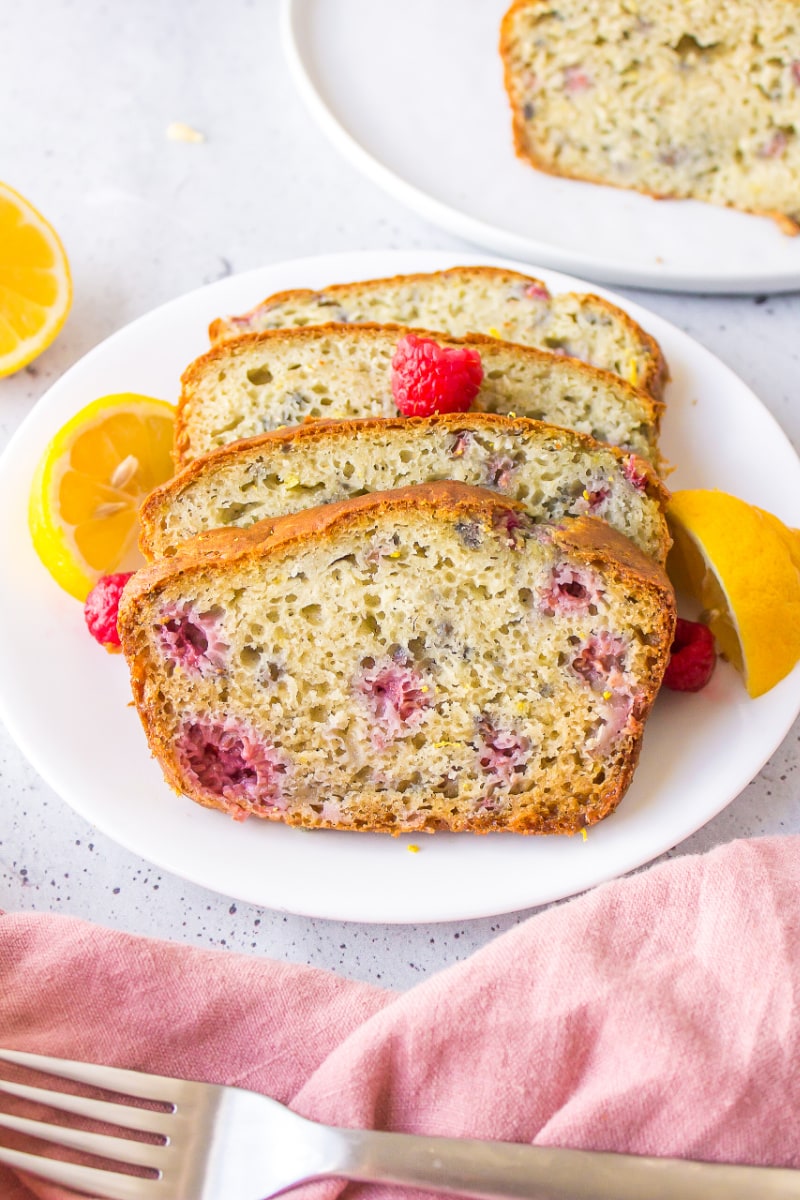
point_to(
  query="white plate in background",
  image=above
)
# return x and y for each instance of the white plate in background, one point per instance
(66, 702)
(413, 96)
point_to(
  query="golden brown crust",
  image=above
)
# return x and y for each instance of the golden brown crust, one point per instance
(587, 538)
(366, 332)
(231, 545)
(653, 382)
(218, 549)
(219, 328)
(525, 151)
(350, 428)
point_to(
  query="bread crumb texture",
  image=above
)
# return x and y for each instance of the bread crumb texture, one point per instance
(691, 98)
(554, 473)
(418, 660)
(264, 381)
(488, 300)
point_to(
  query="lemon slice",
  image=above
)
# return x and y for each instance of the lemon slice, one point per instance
(86, 492)
(743, 565)
(35, 283)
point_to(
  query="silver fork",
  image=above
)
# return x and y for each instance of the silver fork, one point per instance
(224, 1143)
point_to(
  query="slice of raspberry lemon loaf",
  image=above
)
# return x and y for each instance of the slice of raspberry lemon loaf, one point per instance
(553, 472)
(421, 659)
(489, 300)
(673, 98)
(263, 381)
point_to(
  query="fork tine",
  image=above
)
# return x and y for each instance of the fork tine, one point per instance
(98, 1110)
(115, 1079)
(89, 1180)
(124, 1150)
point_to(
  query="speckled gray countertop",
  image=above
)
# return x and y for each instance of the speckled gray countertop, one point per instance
(86, 94)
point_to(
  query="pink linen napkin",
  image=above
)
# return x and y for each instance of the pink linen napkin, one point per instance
(657, 1015)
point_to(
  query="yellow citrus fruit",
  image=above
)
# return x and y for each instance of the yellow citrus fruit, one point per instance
(90, 481)
(743, 565)
(35, 283)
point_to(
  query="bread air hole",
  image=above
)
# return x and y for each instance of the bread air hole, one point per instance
(223, 429)
(232, 514)
(406, 785)
(689, 45)
(250, 656)
(259, 375)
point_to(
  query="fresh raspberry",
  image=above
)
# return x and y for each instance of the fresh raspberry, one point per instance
(693, 657)
(428, 378)
(101, 608)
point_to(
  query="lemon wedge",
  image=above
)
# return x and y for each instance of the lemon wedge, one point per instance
(743, 566)
(35, 283)
(90, 481)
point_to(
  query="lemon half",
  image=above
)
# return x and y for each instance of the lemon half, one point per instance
(90, 481)
(743, 566)
(35, 282)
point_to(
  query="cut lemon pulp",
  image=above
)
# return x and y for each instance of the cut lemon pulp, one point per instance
(87, 489)
(743, 566)
(35, 284)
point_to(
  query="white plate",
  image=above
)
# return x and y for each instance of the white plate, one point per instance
(413, 96)
(66, 701)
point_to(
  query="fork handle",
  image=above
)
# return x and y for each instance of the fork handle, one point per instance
(495, 1170)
